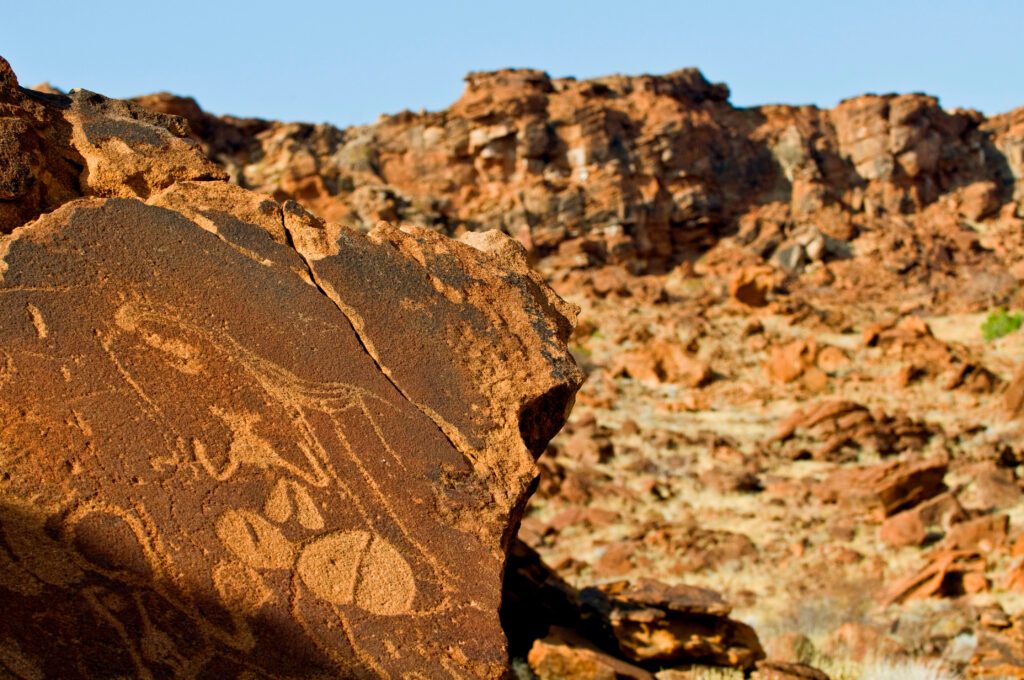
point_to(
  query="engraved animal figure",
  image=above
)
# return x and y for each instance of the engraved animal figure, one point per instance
(293, 506)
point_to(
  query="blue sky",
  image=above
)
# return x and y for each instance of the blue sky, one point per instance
(345, 63)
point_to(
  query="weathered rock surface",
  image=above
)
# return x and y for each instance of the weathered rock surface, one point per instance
(564, 655)
(842, 425)
(655, 623)
(238, 441)
(885, 489)
(618, 630)
(55, 148)
(649, 170)
(738, 265)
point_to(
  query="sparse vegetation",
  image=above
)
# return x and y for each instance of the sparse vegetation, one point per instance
(708, 673)
(1001, 323)
(903, 670)
(879, 669)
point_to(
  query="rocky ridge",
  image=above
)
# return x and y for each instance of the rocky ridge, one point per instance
(649, 172)
(779, 304)
(788, 399)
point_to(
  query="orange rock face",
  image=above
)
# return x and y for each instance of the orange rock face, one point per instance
(652, 622)
(55, 148)
(645, 170)
(238, 440)
(563, 655)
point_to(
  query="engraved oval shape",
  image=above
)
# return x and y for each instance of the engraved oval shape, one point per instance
(329, 565)
(286, 494)
(254, 540)
(111, 544)
(386, 586)
(355, 567)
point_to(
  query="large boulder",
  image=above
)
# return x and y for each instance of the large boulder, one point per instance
(55, 148)
(237, 441)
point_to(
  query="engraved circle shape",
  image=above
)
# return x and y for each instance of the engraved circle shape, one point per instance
(357, 567)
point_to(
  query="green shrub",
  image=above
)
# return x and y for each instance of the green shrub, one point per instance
(1001, 323)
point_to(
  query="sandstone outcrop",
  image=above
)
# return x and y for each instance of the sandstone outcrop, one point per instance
(55, 148)
(648, 171)
(563, 655)
(655, 623)
(816, 274)
(236, 440)
(618, 630)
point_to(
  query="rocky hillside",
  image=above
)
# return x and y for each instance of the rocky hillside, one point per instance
(646, 171)
(791, 398)
(798, 452)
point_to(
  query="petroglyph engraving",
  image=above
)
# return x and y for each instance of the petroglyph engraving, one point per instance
(111, 541)
(37, 321)
(302, 400)
(182, 355)
(330, 566)
(246, 447)
(386, 586)
(254, 540)
(207, 473)
(240, 586)
(356, 567)
(289, 497)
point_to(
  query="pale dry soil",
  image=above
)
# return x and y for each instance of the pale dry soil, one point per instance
(796, 581)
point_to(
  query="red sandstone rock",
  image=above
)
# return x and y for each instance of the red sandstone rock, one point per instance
(662, 361)
(949, 573)
(697, 548)
(979, 200)
(835, 425)
(55, 148)
(618, 167)
(669, 625)
(909, 527)
(601, 181)
(887, 488)
(564, 655)
(788, 362)
(750, 286)
(982, 534)
(238, 439)
(991, 486)
(832, 359)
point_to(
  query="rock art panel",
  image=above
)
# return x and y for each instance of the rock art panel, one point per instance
(224, 457)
